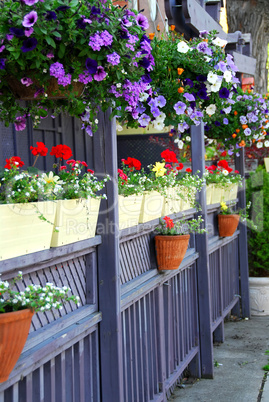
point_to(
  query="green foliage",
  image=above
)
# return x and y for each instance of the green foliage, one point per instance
(258, 195)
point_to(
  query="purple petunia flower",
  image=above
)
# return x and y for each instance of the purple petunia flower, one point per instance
(20, 123)
(188, 81)
(202, 94)
(18, 32)
(142, 21)
(224, 93)
(50, 16)
(243, 119)
(40, 91)
(2, 48)
(29, 44)
(26, 81)
(30, 19)
(180, 107)
(144, 120)
(100, 74)
(88, 130)
(230, 152)
(182, 127)
(81, 24)
(91, 65)
(62, 8)
(225, 121)
(28, 31)
(144, 62)
(29, 2)
(189, 97)
(217, 123)
(203, 34)
(155, 111)
(95, 11)
(160, 101)
(203, 48)
(2, 64)
(113, 58)
(247, 131)
(146, 78)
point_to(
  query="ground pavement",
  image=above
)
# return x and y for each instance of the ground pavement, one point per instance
(238, 374)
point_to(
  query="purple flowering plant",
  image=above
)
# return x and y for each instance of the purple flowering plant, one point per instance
(244, 122)
(87, 50)
(190, 80)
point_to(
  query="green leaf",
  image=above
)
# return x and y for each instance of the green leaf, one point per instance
(57, 34)
(61, 51)
(73, 3)
(50, 41)
(83, 52)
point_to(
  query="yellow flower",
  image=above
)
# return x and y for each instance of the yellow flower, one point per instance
(223, 206)
(51, 179)
(159, 169)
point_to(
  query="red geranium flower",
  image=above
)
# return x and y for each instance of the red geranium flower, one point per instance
(14, 161)
(90, 171)
(40, 149)
(180, 166)
(169, 222)
(61, 151)
(169, 156)
(236, 171)
(189, 170)
(122, 175)
(132, 163)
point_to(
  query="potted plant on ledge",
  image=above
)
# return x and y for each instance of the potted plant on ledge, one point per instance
(172, 241)
(227, 220)
(16, 311)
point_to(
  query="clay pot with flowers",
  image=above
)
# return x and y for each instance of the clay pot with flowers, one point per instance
(172, 241)
(227, 220)
(16, 310)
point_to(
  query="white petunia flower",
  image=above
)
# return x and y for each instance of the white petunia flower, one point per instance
(216, 87)
(219, 42)
(182, 47)
(211, 109)
(266, 143)
(212, 77)
(227, 76)
(259, 145)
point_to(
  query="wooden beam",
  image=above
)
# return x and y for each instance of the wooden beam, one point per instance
(105, 162)
(203, 279)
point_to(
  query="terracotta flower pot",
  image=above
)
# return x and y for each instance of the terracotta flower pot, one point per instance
(22, 92)
(14, 329)
(227, 224)
(170, 251)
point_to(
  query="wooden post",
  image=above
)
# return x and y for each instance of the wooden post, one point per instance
(105, 162)
(206, 337)
(243, 246)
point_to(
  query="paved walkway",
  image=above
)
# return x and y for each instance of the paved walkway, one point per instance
(238, 374)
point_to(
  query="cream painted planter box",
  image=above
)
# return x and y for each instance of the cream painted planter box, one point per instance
(230, 192)
(75, 220)
(259, 296)
(22, 231)
(209, 192)
(217, 194)
(152, 206)
(185, 203)
(129, 210)
(172, 202)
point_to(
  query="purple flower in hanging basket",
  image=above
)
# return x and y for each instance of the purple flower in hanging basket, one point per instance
(217, 123)
(201, 78)
(224, 93)
(113, 58)
(18, 32)
(180, 107)
(203, 48)
(91, 65)
(106, 38)
(100, 74)
(50, 16)
(202, 94)
(26, 81)
(146, 78)
(2, 64)
(29, 44)
(30, 19)
(20, 123)
(95, 10)
(188, 82)
(40, 91)
(29, 2)
(28, 31)
(142, 21)
(160, 101)
(145, 63)
(144, 120)
(62, 8)
(57, 70)
(225, 121)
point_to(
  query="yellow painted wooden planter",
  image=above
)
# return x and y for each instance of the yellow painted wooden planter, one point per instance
(21, 229)
(172, 202)
(75, 220)
(129, 210)
(217, 194)
(230, 192)
(152, 205)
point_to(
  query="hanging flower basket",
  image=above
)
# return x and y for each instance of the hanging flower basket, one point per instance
(14, 329)
(36, 90)
(227, 224)
(170, 251)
